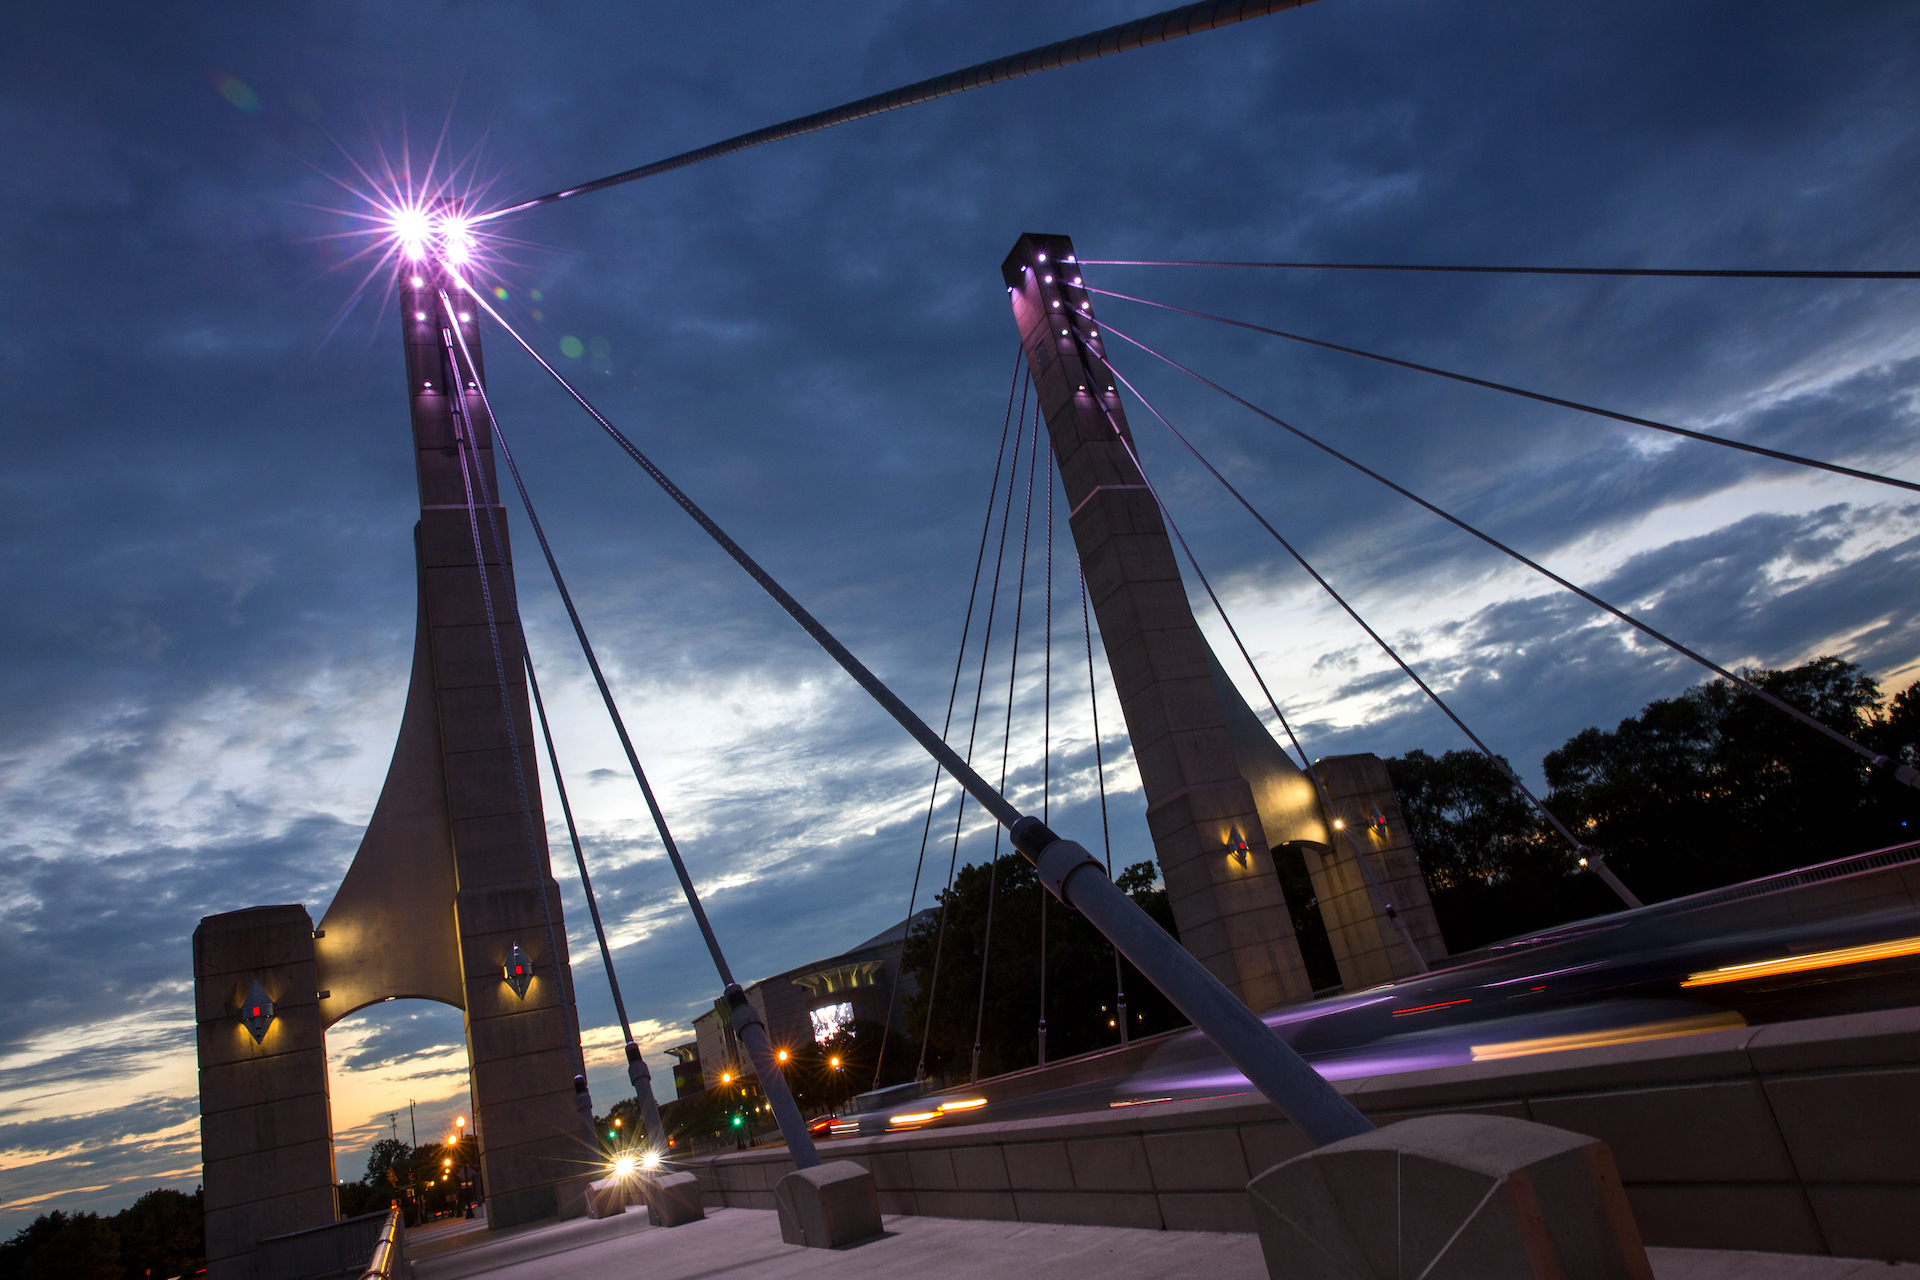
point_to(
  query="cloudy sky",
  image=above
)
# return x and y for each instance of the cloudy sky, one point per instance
(209, 494)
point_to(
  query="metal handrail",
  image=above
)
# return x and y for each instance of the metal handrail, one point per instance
(1852, 865)
(387, 1250)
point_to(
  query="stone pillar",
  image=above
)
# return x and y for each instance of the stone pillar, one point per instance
(1364, 940)
(1366, 946)
(1227, 903)
(266, 1126)
(535, 1155)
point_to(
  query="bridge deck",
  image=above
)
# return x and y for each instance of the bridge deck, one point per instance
(744, 1244)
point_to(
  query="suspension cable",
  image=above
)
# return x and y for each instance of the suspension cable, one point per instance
(973, 729)
(959, 660)
(963, 773)
(1046, 739)
(1904, 772)
(1375, 889)
(1723, 441)
(637, 1072)
(1279, 1073)
(579, 853)
(1100, 776)
(1006, 741)
(469, 456)
(1157, 29)
(1664, 272)
(751, 1028)
(1353, 613)
(613, 710)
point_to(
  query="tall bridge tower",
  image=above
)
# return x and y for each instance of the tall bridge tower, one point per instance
(442, 901)
(1209, 767)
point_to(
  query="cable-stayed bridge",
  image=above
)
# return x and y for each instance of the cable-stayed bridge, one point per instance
(451, 896)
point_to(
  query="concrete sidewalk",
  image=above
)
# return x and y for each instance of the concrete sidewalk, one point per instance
(744, 1244)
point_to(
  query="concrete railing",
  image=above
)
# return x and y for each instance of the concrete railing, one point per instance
(1797, 1137)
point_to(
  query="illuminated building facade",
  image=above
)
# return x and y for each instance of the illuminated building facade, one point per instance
(806, 1005)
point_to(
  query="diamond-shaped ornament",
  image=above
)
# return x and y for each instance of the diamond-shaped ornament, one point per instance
(1237, 846)
(519, 971)
(256, 1015)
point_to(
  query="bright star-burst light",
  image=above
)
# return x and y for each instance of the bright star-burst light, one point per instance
(400, 213)
(623, 1166)
(412, 227)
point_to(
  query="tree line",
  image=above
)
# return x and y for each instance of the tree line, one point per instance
(1696, 791)
(157, 1237)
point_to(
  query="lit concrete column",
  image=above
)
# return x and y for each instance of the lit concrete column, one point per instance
(266, 1126)
(1364, 940)
(1365, 944)
(1229, 908)
(535, 1155)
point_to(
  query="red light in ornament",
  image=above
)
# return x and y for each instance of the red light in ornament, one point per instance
(519, 973)
(257, 1012)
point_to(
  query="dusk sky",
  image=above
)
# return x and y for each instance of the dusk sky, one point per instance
(209, 492)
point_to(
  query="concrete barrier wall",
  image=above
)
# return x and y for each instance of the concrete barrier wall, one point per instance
(1795, 1138)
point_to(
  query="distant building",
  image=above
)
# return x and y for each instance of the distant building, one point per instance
(686, 1069)
(807, 1005)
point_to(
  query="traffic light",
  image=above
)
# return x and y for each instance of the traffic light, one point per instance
(738, 1120)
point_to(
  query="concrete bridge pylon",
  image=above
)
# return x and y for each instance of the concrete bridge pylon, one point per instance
(440, 893)
(1207, 764)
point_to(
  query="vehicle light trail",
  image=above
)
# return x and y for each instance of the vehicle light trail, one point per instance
(1615, 1035)
(1807, 963)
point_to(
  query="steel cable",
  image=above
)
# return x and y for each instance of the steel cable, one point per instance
(1378, 891)
(973, 729)
(1904, 772)
(468, 449)
(1006, 741)
(1668, 428)
(959, 661)
(1279, 1073)
(1156, 29)
(1100, 776)
(1658, 272)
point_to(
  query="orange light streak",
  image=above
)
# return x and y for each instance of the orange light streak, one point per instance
(1807, 963)
(1723, 1021)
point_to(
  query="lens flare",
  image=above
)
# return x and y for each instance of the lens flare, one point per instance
(456, 239)
(651, 1160)
(411, 228)
(623, 1166)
